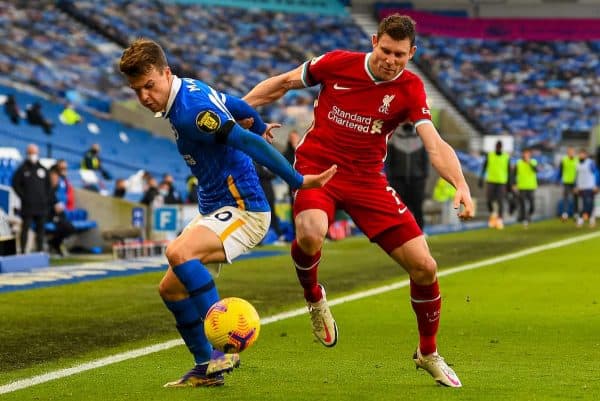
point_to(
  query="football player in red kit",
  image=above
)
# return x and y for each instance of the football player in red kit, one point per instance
(363, 98)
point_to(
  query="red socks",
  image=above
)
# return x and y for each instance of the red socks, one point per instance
(306, 270)
(427, 303)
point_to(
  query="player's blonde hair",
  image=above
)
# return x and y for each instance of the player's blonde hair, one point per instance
(398, 27)
(141, 56)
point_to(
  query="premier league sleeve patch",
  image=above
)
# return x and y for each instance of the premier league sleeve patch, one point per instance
(208, 121)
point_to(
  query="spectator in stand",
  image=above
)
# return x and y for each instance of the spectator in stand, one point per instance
(63, 200)
(567, 173)
(167, 197)
(69, 116)
(586, 186)
(191, 184)
(290, 155)
(266, 177)
(11, 108)
(120, 188)
(151, 192)
(31, 183)
(496, 170)
(407, 167)
(290, 148)
(91, 161)
(173, 196)
(65, 194)
(35, 117)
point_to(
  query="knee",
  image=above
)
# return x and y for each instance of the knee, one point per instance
(175, 253)
(310, 242)
(424, 271)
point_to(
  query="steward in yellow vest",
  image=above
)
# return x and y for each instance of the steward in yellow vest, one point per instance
(526, 184)
(567, 172)
(496, 170)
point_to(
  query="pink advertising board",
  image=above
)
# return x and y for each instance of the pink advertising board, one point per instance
(501, 28)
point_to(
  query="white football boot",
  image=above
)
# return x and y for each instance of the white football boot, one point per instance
(324, 326)
(435, 365)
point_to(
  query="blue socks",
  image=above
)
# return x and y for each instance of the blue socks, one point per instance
(190, 312)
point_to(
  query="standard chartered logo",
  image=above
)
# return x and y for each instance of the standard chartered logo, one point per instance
(355, 121)
(376, 127)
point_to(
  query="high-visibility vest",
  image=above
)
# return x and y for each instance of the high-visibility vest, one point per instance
(497, 168)
(443, 191)
(526, 175)
(569, 169)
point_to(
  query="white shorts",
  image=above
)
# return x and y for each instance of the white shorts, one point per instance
(239, 230)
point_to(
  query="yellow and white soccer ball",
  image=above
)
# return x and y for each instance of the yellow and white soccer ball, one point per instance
(232, 325)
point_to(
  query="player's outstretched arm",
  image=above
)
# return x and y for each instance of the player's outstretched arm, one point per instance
(272, 89)
(263, 153)
(318, 180)
(444, 160)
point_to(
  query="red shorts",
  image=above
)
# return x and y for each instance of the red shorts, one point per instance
(373, 205)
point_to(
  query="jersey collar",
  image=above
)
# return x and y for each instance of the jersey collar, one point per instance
(175, 86)
(372, 76)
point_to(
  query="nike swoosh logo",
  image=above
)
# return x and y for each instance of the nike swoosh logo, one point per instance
(341, 88)
(327, 333)
(404, 209)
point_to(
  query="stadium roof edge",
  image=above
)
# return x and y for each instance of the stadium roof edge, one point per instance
(323, 7)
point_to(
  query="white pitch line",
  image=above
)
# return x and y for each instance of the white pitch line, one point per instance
(98, 363)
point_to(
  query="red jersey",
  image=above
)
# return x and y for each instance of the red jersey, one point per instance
(355, 113)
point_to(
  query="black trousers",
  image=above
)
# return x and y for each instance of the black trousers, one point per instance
(526, 204)
(40, 232)
(412, 193)
(64, 228)
(495, 194)
(267, 187)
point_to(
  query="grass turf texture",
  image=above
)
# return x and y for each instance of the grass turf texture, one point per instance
(523, 324)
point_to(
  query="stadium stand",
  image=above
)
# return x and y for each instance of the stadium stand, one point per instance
(230, 50)
(121, 144)
(44, 47)
(532, 89)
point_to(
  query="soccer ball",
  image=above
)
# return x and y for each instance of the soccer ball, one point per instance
(232, 325)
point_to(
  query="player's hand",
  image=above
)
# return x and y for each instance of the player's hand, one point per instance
(318, 180)
(463, 197)
(268, 134)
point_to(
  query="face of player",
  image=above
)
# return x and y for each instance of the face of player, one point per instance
(389, 56)
(153, 88)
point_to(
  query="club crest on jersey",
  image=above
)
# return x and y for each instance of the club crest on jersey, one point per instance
(387, 100)
(208, 121)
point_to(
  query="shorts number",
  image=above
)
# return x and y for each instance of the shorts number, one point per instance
(223, 216)
(397, 199)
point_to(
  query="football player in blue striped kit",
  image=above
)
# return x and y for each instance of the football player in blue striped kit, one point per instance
(234, 213)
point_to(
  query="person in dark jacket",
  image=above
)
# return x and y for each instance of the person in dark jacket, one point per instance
(91, 161)
(11, 108)
(35, 117)
(407, 167)
(31, 182)
(151, 193)
(173, 197)
(266, 182)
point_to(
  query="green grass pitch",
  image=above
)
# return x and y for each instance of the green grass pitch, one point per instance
(524, 329)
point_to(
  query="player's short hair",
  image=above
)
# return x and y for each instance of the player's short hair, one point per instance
(398, 27)
(141, 56)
